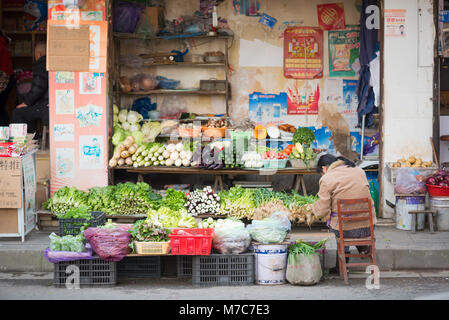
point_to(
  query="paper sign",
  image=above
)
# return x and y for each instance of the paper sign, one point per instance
(89, 115)
(65, 102)
(10, 183)
(334, 91)
(29, 180)
(90, 83)
(65, 162)
(303, 53)
(331, 16)
(68, 48)
(91, 152)
(395, 20)
(64, 132)
(64, 77)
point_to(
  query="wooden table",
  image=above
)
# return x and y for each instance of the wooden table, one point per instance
(219, 173)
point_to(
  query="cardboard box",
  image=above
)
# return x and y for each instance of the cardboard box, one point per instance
(153, 15)
(42, 193)
(42, 166)
(10, 183)
(8, 221)
(68, 48)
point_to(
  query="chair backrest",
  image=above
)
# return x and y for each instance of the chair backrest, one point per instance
(360, 213)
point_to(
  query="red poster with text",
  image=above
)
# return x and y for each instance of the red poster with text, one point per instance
(303, 100)
(303, 53)
(331, 16)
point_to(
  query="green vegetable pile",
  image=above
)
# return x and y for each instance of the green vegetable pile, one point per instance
(67, 243)
(149, 230)
(304, 136)
(172, 218)
(174, 200)
(237, 202)
(301, 247)
(65, 199)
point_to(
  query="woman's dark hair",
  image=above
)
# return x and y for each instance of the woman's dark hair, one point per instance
(327, 159)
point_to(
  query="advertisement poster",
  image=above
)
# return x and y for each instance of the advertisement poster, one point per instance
(267, 108)
(395, 21)
(344, 47)
(91, 152)
(303, 99)
(334, 91)
(29, 183)
(92, 9)
(331, 16)
(348, 108)
(64, 132)
(303, 53)
(323, 140)
(65, 163)
(89, 115)
(65, 101)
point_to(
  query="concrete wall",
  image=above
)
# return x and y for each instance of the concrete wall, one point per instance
(251, 39)
(408, 84)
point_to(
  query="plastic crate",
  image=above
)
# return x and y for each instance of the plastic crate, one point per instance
(196, 242)
(274, 164)
(437, 191)
(139, 267)
(155, 248)
(93, 273)
(184, 266)
(223, 270)
(73, 226)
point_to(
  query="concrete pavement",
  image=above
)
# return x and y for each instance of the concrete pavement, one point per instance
(396, 250)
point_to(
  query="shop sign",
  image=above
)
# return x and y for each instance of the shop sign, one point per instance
(303, 53)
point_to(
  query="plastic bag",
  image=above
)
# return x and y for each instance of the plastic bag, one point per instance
(270, 230)
(110, 244)
(143, 82)
(55, 242)
(172, 107)
(144, 24)
(410, 181)
(304, 269)
(231, 238)
(60, 256)
(126, 16)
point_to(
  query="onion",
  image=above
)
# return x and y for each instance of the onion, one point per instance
(431, 181)
(438, 178)
(441, 173)
(442, 184)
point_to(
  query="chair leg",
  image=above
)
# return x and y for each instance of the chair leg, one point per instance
(413, 223)
(430, 218)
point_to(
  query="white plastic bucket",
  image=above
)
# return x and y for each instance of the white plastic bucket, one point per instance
(270, 264)
(441, 204)
(404, 204)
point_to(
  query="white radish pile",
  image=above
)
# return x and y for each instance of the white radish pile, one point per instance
(176, 155)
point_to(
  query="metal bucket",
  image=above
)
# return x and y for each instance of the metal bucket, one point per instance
(404, 204)
(271, 264)
(441, 204)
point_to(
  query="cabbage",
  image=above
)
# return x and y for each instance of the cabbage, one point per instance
(119, 136)
(138, 137)
(116, 109)
(123, 115)
(126, 125)
(151, 130)
(134, 117)
(134, 127)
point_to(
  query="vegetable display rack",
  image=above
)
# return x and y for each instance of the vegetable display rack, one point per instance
(73, 226)
(92, 272)
(191, 241)
(152, 248)
(223, 270)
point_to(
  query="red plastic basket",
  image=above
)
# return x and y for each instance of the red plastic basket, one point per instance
(437, 191)
(195, 242)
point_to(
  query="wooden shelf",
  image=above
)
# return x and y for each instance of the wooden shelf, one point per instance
(121, 35)
(182, 64)
(189, 170)
(166, 91)
(25, 32)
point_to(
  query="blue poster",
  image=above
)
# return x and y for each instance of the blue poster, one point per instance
(266, 107)
(323, 140)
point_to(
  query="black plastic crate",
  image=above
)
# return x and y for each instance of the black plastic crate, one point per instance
(92, 272)
(223, 270)
(73, 226)
(139, 267)
(184, 265)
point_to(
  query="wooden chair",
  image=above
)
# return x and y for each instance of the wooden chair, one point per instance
(355, 215)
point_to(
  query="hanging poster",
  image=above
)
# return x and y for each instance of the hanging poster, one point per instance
(331, 16)
(303, 99)
(90, 83)
(344, 47)
(395, 22)
(91, 152)
(303, 53)
(64, 132)
(90, 10)
(64, 77)
(89, 115)
(65, 162)
(29, 184)
(65, 101)
(348, 108)
(267, 108)
(334, 91)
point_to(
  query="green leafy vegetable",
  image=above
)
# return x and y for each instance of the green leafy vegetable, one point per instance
(304, 136)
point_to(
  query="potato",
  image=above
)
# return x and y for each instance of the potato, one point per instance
(402, 160)
(411, 160)
(408, 165)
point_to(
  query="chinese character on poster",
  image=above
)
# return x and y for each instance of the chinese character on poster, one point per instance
(331, 16)
(303, 99)
(344, 49)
